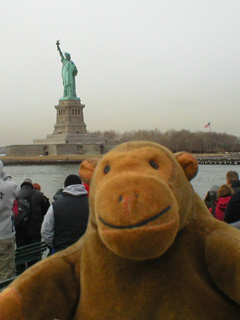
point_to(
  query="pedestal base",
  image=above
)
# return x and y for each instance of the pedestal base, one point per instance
(70, 118)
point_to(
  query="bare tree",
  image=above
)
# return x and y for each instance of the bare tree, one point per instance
(182, 140)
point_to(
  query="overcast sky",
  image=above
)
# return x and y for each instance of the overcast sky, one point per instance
(142, 64)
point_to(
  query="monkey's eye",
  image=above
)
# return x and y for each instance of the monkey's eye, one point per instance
(153, 164)
(106, 169)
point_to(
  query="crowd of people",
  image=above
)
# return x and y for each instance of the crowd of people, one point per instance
(27, 217)
(224, 201)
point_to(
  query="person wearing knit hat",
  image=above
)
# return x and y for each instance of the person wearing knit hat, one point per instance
(30, 232)
(8, 192)
(27, 181)
(71, 180)
(67, 218)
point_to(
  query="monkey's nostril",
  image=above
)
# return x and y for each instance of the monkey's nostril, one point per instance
(120, 199)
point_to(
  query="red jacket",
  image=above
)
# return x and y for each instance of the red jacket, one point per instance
(221, 205)
(15, 208)
(86, 187)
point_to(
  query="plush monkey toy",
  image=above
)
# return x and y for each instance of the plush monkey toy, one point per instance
(152, 251)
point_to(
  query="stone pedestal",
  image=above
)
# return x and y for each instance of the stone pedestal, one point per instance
(69, 136)
(70, 127)
(70, 118)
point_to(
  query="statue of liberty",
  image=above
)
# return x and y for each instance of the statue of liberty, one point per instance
(69, 72)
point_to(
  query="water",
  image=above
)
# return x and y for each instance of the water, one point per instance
(51, 177)
(209, 175)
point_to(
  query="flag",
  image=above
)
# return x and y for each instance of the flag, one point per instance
(207, 125)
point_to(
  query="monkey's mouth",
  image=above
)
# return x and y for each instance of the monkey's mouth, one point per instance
(137, 225)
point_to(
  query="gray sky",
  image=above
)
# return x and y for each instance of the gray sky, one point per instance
(143, 64)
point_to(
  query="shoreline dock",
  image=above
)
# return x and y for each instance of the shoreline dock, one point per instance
(203, 159)
(219, 159)
(46, 160)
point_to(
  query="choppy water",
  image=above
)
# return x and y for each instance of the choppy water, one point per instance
(51, 177)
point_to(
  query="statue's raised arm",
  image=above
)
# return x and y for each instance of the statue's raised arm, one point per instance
(59, 50)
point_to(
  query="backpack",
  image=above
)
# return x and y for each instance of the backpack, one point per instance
(213, 210)
(24, 208)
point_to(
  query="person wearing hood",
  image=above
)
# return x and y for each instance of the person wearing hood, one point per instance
(224, 194)
(66, 219)
(8, 192)
(211, 196)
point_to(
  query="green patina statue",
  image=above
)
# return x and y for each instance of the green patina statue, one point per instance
(69, 72)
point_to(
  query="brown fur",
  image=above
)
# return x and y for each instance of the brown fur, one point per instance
(132, 263)
(86, 169)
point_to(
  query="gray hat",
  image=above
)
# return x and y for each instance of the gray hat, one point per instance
(27, 181)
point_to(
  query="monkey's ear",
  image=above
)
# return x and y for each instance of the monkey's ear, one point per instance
(87, 168)
(188, 163)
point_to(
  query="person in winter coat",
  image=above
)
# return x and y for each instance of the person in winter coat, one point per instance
(211, 196)
(232, 180)
(67, 218)
(30, 232)
(224, 194)
(232, 214)
(8, 192)
(58, 194)
(37, 186)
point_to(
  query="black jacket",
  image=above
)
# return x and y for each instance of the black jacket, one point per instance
(39, 206)
(70, 220)
(236, 186)
(232, 213)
